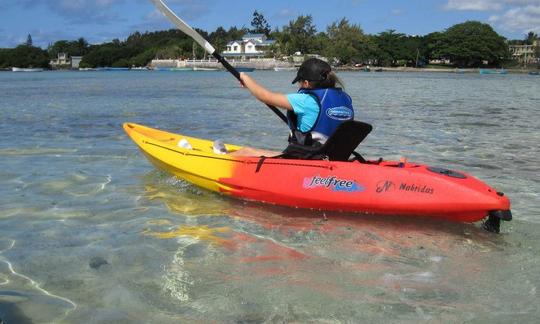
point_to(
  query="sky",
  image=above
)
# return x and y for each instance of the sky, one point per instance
(100, 21)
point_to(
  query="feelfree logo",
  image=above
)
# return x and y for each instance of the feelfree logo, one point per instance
(332, 183)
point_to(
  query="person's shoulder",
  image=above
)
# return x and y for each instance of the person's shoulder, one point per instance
(302, 102)
(300, 97)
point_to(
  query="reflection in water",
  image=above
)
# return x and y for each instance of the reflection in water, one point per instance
(203, 233)
(379, 266)
(184, 199)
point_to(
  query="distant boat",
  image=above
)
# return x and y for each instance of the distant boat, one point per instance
(139, 68)
(204, 69)
(284, 68)
(378, 70)
(113, 69)
(493, 71)
(245, 69)
(16, 69)
(173, 69)
(116, 69)
(459, 71)
(534, 73)
(179, 69)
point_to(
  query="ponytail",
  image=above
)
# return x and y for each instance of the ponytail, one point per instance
(331, 81)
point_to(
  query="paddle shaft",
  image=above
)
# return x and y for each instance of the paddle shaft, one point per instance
(183, 26)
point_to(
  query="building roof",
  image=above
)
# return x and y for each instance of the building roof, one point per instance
(254, 41)
(249, 35)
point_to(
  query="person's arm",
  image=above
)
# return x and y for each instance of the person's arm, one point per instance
(261, 93)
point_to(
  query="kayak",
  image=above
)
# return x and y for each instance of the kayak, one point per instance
(377, 187)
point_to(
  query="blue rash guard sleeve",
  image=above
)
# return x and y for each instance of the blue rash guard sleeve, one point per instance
(306, 108)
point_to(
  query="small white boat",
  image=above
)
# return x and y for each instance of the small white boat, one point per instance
(284, 68)
(195, 68)
(16, 69)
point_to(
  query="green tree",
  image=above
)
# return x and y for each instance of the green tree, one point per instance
(219, 39)
(259, 24)
(470, 43)
(389, 47)
(348, 43)
(29, 41)
(432, 44)
(299, 35)
(530, 38)
(72, 48)
(82, 47)
(5, 54)
(235, 33)
(24, 56)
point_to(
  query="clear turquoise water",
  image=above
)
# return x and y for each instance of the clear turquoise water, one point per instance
(91, 233)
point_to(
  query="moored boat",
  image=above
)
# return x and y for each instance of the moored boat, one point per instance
(493, 71)
(277, 68)
(181, 69)
(17, 69)
(378, 187)
(196, 68)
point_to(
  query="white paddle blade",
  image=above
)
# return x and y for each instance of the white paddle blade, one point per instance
(162, 7)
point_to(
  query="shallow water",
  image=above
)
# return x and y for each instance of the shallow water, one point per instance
(90, 232)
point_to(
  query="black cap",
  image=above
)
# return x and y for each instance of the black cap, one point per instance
(313, 69)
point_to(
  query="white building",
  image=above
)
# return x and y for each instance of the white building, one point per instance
(251, 45)
(75, 61)
(61, 60)
(524, 54)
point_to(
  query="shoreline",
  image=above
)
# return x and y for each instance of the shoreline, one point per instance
(433, 70)
(373, 70)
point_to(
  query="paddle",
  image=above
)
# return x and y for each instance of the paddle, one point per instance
(205, 44)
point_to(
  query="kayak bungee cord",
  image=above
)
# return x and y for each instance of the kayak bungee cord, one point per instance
(184, 27)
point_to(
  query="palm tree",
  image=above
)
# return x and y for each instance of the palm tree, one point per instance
(82, 46)
(530, 38)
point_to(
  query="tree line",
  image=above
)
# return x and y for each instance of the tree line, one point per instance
(468, 44)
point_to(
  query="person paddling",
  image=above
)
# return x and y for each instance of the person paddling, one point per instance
(313, 113)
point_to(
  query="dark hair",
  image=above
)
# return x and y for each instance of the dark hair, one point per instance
(330, 82)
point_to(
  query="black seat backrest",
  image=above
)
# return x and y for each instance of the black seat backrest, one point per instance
(338, 147)
(345, 139)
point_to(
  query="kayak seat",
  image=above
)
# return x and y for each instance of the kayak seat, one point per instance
(338, 147)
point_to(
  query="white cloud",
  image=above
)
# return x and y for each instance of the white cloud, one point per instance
(521, 2)
(516, 15)
(520, 19)
(474, 5)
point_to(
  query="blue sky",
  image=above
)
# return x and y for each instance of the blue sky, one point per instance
(103, 20)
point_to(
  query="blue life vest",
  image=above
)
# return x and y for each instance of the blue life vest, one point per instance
(335, 108)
